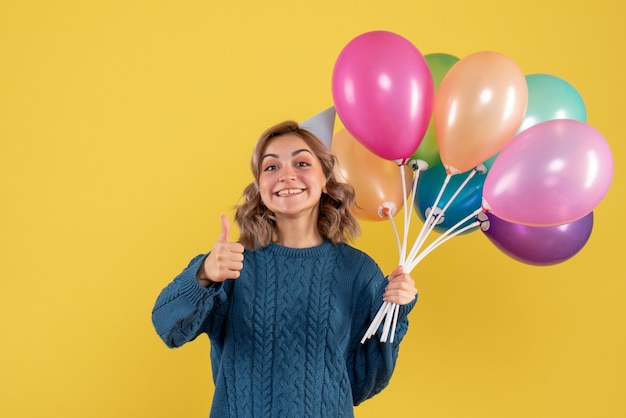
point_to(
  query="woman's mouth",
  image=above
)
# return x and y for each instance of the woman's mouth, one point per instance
(289, 192)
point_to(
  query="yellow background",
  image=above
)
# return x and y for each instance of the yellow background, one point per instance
(126, 129)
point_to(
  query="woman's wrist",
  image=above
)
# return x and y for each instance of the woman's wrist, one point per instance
(203, 278)
(206, 282)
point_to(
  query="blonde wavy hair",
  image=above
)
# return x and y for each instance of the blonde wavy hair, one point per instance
(257, 224)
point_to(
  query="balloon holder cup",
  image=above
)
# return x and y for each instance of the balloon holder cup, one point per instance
(417, 165)
(481, 168)
(437, 214)
(484, 221)
(387, 209)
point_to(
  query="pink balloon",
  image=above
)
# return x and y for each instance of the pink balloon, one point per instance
(383, 92)
(552, 173)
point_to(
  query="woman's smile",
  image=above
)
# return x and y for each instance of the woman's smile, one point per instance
(289, 192)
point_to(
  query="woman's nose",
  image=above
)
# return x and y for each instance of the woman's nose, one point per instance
(287, 174)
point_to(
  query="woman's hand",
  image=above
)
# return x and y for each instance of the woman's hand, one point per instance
(225, 260)
(401, 288)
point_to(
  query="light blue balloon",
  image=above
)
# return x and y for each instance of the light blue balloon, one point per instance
(551, 97)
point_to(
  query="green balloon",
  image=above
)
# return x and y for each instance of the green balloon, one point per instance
(439, 64)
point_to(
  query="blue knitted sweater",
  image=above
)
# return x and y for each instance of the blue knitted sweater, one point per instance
(285, 336)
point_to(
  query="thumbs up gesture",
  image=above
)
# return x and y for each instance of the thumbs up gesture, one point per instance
(225, 260)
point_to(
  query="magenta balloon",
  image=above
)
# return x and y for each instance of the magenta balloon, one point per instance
(383, 93)
(538, 245)
(550, 174)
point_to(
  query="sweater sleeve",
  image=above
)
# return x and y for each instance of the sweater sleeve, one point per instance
(372, 363)
(184, 309)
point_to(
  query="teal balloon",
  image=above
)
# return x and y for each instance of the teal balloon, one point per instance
(551, 97)
(439, 64)
(490, 161)
(465, 203)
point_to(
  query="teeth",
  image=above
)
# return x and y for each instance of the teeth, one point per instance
(288, 192)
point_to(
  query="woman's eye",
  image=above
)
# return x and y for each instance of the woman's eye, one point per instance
(270, 168)
(303, 164)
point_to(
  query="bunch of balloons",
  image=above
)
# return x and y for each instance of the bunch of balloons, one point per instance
(488, 148)
(543, 168)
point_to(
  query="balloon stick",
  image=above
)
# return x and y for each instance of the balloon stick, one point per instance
(395, 229)
(389, 311)
(429, 223)
(405, 226)
(450, 233)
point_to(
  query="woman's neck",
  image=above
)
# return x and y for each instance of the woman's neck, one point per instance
(298, 233)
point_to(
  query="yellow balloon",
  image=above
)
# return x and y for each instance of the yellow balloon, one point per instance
(479, 107)
(376, 181)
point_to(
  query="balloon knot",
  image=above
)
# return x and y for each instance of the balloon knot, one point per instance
(451, 170)
(486, 207)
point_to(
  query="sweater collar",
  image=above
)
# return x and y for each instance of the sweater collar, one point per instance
(315, 251)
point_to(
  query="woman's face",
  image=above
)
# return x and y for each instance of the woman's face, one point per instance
(291, 178)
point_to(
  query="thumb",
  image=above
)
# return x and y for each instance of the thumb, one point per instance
(224, 234)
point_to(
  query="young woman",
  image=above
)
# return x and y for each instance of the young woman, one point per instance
(286, 306)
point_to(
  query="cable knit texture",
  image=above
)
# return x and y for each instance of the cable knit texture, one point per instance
(285, 336)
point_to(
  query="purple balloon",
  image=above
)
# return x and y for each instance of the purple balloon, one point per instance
(537, 245)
